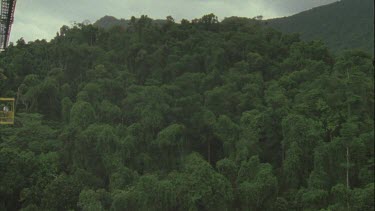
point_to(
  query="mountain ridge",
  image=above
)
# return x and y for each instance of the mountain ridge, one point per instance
(342, 25)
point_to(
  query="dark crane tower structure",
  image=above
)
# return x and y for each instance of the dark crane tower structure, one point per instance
(6, 21)
(7, 108)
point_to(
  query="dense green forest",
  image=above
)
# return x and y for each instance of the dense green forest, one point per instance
(202, 115)
(342, 25)
(108, 22)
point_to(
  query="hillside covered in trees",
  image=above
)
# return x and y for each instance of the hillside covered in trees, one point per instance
(202, 115)
(342, 25)
(108, 22)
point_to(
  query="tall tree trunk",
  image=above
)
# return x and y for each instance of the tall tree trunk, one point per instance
(347, 147)
(347, 83)
(349, 110)
(347, 167)
(347, 175)
(208, 150)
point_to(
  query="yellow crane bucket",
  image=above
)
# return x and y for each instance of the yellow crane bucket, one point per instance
(7, 111)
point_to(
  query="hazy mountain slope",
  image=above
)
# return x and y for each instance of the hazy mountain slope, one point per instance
(107, 22)
(341, 25)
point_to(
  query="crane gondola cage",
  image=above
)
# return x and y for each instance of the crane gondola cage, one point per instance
(7, 111)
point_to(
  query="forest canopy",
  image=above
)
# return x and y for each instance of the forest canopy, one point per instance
(201, 115)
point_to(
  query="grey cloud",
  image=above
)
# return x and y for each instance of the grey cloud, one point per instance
(289, 7)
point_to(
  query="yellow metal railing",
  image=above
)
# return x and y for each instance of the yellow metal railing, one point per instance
(7, 119)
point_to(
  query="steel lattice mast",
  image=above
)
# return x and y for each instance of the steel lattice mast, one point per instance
(6, 21)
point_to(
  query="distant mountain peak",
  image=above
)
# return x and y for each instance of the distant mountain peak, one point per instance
(107, 22)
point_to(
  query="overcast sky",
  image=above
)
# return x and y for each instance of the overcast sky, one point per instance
(41, 19)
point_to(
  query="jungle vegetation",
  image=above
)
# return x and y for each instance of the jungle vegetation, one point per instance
(197, 115)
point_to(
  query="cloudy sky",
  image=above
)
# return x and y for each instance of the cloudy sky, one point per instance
(41, 19)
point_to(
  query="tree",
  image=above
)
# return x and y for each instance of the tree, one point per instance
(229, 169)
(257, 186)
(301, 137)
(82, 114)
(121, 179)
(200, 187)
(89, 200)
(99, 141)
(171, 143)
(228, 132)
(108, 112)
(66, 106)
(170, 19)
(61, 194)
(251, 124)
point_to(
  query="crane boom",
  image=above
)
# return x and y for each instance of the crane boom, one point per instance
(6, 20)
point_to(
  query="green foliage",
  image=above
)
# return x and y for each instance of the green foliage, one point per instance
(82, 114)
(202, 115)
(66, 106)
(89, 200)
(257, 185)
(199, 186)
(363, 198)
(301, 137)
(61, 194)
